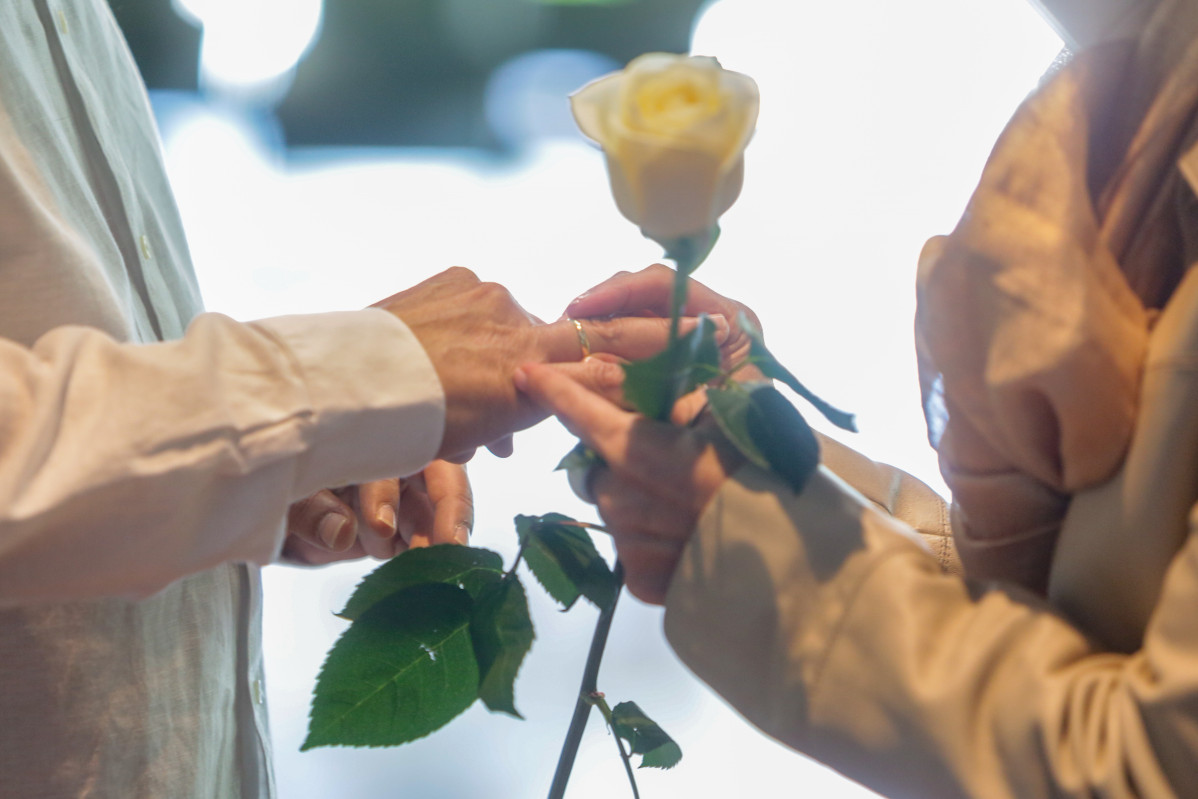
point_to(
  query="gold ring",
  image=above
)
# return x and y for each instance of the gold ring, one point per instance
(583, 341)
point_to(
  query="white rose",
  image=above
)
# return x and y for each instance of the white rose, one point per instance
(674, 129)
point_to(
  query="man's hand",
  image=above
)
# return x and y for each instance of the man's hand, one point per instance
(383, 518)
(657, 479)
(476, 335)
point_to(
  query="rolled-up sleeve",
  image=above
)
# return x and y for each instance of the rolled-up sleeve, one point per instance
(126, 466)
(826, 624)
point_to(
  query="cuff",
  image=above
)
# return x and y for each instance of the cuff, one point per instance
(376, 402)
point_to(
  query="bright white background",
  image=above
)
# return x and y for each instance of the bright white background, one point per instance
(876, 119)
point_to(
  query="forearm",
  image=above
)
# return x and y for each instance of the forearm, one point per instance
(821, 621)
(124, 467)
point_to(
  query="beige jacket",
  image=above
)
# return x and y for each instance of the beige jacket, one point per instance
(823, 619)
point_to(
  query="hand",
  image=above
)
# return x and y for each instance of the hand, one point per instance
(657, 479)
(476, 335)
(383, 518)
(647, 293)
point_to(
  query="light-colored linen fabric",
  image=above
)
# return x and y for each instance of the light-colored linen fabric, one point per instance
(1118, 538)
(145, 471)
(826, 623)
(900, 495)
(1034, 314)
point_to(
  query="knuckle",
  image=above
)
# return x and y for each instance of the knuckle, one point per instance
(495, 293)
(658, 270)
(604, 374)
(461, 273)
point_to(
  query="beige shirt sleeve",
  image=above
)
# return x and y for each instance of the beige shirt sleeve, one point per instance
(904, 497)
(824, 622)
(124, 467)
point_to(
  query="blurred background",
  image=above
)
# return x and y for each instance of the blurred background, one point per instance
(327, 154)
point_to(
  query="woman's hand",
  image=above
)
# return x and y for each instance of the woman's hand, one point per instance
(647, 293)
(657, 479)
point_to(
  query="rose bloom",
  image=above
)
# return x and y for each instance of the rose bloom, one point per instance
(673, 129)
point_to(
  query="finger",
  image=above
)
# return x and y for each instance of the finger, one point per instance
(634, 337)
(453, 503)
(416, 512)
(298, 551)
(324, 521)
(502, 448)
(630, 337)
(378, 509)
(595, 420)
(627, 293)
(649, 290)
(688, 407)
(462, 457)
(599, 373)
(683, 468)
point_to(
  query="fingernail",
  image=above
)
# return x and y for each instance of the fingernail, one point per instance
(520, 378)
(579, 299)
(386, 517)
(461, 533)
(332, 531)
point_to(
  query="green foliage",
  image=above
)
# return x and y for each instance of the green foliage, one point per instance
(644, 737)
(435, 628)
(445, 563)
(581, 2)
(768, 364)
(404, 668)
(767, 430)
(580, 458)
(501, 630)
(653, 385)
(564, 560)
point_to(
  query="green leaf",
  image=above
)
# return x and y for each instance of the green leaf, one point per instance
(644, 737)
(564, 560)
(768, 364)
(581, 2)
(403, 669)
(501, 630)
(653, 385)
(444, 563)
(767, 430)
(581, 458)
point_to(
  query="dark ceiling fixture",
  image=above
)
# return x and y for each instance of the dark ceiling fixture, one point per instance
(413, 72)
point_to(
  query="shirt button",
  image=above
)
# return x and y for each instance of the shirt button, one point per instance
(146, 251)
(259, 693)
(62, 22)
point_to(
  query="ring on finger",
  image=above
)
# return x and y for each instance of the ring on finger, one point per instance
(583, 341)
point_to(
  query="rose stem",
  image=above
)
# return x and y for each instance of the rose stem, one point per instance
(582, 708)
